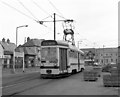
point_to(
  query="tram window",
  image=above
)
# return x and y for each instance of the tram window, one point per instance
(73, 54)
(48, 53)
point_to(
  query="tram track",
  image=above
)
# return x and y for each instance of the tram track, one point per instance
(17, 88)
(26, 83)
(17, 82)
(20, 79)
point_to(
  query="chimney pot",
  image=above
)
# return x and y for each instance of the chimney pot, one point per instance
(28, 38)
(8, 41)
(3, 40)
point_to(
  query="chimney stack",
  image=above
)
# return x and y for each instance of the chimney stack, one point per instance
(28, 38)
(3, 40)
(8, 41)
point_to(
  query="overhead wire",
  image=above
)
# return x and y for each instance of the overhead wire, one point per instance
(55, 7)
(27, 9)
(40, 7)
(36, 20)
(44, 12)
(23, 13)
(33, 14)
(47, 12)
(61, 16)
(18, 10)
(47, 17)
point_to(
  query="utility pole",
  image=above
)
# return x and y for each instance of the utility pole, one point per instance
(54, 27)
(54, 21)
(103, 55)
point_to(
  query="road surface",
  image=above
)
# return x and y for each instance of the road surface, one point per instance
(31, 84)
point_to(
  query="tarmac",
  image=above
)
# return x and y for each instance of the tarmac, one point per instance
(18, 71)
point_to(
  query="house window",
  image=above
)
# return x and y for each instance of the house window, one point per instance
(101, 61)
(116, 60)
(5, 61)
(111, 60)
(106, 60)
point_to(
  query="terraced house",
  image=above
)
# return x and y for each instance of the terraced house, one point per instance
(7, 49)
(1, 54)
(31, 51)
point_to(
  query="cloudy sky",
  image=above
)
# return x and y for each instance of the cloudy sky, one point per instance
(95, 21)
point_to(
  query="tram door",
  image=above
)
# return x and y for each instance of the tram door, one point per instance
(63, 59)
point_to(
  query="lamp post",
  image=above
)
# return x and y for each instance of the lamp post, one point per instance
(103, 55)
(17, 32)
(16, 47)
(79, 42)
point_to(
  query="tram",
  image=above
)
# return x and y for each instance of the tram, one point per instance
(60, 58)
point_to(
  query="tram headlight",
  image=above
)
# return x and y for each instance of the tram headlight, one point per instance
(42, 64)
(55, 64)
(55, 61)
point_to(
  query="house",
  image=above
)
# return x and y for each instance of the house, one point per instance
(1, 55)
(31, 51)
(8, 49)
(103, 55)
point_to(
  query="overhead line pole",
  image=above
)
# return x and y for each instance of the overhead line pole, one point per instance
(54, 27)
(54, 21)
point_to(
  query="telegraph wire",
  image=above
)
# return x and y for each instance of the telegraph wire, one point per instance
(27, 9)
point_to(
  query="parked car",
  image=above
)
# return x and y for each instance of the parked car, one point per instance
(106, 68)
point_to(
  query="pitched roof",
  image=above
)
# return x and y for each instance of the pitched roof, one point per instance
(33, 42)
(26, 50)
(8, 47)
(30, 51)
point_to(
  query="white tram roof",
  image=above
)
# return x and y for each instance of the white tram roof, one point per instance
(54, 42)
(61, 43)
(72, 47)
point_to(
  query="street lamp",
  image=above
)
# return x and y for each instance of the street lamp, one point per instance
(79, 42)
(16, 47)
(103, 55)
(17, 31)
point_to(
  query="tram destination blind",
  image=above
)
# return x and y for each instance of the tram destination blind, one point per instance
(48, 43)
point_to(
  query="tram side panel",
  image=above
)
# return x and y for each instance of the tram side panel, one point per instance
(79, 60)
(82, 62)
(73, 60)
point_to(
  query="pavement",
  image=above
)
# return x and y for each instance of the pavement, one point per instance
(19, 71)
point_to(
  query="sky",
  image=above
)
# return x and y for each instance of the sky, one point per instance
(95, 21)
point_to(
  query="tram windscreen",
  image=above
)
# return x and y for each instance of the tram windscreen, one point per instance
(48, 53)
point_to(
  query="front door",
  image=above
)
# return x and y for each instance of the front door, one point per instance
(63, 59)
